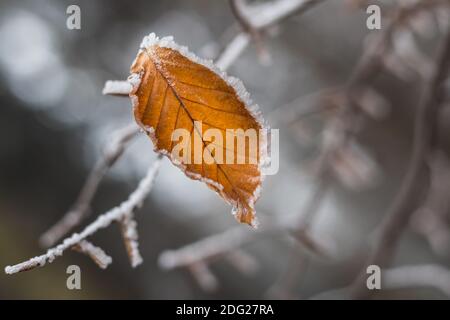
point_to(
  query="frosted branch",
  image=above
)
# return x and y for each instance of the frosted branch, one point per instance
(80, 208)
(266, 14)
(134, 200)
(223, 244)
(260, 17)
(208, 248)
(95, 253)
(128, 227)
(233, 50)
(118, 88)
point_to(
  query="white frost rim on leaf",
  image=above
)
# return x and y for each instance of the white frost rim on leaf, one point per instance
(135, 80)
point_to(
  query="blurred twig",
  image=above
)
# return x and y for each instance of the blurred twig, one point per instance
(256, 19)
(216, 245)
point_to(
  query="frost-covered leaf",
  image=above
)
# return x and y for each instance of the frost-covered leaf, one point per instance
(174, 89)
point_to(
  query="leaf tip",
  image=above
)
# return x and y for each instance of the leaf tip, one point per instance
(245, 215)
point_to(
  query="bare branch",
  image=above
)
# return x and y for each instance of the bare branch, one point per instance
(238, 8)
(80, 208)
(261, 17)
(134, 200)
(95, 253)
(117, 88)
(207, 248)
(233, 50)
(267, 14)
(226, 242)
(128, 227)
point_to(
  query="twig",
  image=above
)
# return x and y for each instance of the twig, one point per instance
(262, 17)
(233, 50)
(211, 247)
(238, 9)
(128, 227)
(265, 15)
(117, 88)
(81, 207)
(95, 253)
(223, 243)
(303, 106)
(134, 200)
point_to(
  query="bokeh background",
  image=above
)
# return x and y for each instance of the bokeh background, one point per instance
(54, 122)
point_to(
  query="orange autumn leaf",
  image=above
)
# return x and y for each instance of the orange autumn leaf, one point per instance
(174, 89)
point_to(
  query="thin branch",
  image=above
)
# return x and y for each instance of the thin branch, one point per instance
(128, 228)
(233, 50)
(238, 10)
(210, 247)
(262, 17)
(134, 200)
(265, 15)
(223, 243)
(117, 88)
(80, 209)
(95, 253)
(303, 106)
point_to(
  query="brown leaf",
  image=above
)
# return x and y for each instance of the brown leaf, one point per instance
(173, 89)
